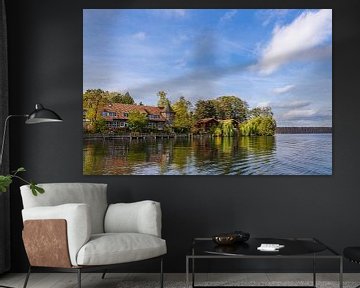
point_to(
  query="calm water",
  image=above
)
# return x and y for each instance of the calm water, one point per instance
(283, 154)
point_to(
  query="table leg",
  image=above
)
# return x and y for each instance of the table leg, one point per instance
(187, 272)
(341, 273)
(314, 271)
(193, 272)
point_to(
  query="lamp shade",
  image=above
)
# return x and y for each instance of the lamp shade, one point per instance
(42, 115)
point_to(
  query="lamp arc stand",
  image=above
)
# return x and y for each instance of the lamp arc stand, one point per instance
(4, 135)
(39, 115)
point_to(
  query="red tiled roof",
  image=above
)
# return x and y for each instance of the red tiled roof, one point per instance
(120, 109)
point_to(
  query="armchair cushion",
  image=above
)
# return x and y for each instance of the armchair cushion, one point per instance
(78, 221)
(92, 194)
(138, 217)
(113, 248)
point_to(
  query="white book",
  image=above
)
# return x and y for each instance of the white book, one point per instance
(270, 247)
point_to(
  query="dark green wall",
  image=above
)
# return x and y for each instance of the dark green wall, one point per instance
(45, 50)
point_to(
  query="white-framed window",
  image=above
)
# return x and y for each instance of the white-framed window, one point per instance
(106, 113)
(122, 124)
(152, 116)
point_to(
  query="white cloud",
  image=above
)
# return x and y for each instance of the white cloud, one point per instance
(295, 114)
(305, 118)
(263, 104)
(139, 36)
(291, 42)
(292, 105)
(228, 15)
(284, 89)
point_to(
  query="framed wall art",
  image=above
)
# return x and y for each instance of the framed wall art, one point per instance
(207, 92)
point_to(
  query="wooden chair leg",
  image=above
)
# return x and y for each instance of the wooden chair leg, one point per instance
(79, 277)
(27, 277)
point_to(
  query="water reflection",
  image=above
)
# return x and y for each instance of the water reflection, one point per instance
(187, 156)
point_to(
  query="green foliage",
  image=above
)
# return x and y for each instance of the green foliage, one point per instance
(117, 97)
(183, 118)
(6, 180)
(100, 126)
(36, 189)
(137, 121)
(163, 100)
(231, 107)
(93, 101)
(205, 109)
(261, 111)
(224, 107)
(225, 129)
(228, 129)
(258, 126)
(217, 132)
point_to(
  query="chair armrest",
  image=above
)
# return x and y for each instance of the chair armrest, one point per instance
(77, 218)
(138, 217)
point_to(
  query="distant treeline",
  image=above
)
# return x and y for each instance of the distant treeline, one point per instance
(303, 130)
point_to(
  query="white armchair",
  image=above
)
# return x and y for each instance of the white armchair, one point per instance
(72, 228)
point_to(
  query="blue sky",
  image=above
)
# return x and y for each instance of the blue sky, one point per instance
(277, 58)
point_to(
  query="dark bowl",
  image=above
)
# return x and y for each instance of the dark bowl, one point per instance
(225, 239)
(241, 236)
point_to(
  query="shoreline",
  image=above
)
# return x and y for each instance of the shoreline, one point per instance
(171, 136)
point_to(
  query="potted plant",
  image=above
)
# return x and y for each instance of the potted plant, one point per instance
(6, 180)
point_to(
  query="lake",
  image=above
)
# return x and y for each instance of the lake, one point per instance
(282, 154)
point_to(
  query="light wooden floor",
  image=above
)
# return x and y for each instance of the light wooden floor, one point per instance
(113, 280)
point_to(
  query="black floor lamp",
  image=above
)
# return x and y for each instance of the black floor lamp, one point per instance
(39, 115)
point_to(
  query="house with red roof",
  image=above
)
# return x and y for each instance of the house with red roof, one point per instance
(116, 115)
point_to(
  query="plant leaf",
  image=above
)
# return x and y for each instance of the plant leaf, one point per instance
(5, 182)
(36, 189)
(39, 189)
(20, 169)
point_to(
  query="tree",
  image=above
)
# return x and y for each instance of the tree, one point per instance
(163, 100)
(267, 126)
(127, 99)
(225, 129)
(117, 97)
(100, 126)
(261, 111)
(231, 107)
(137, 121)
(183, 120)
(93, 101)
(259, 126)
(205, 109)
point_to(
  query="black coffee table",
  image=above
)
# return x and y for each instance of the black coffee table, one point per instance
(294, 248)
